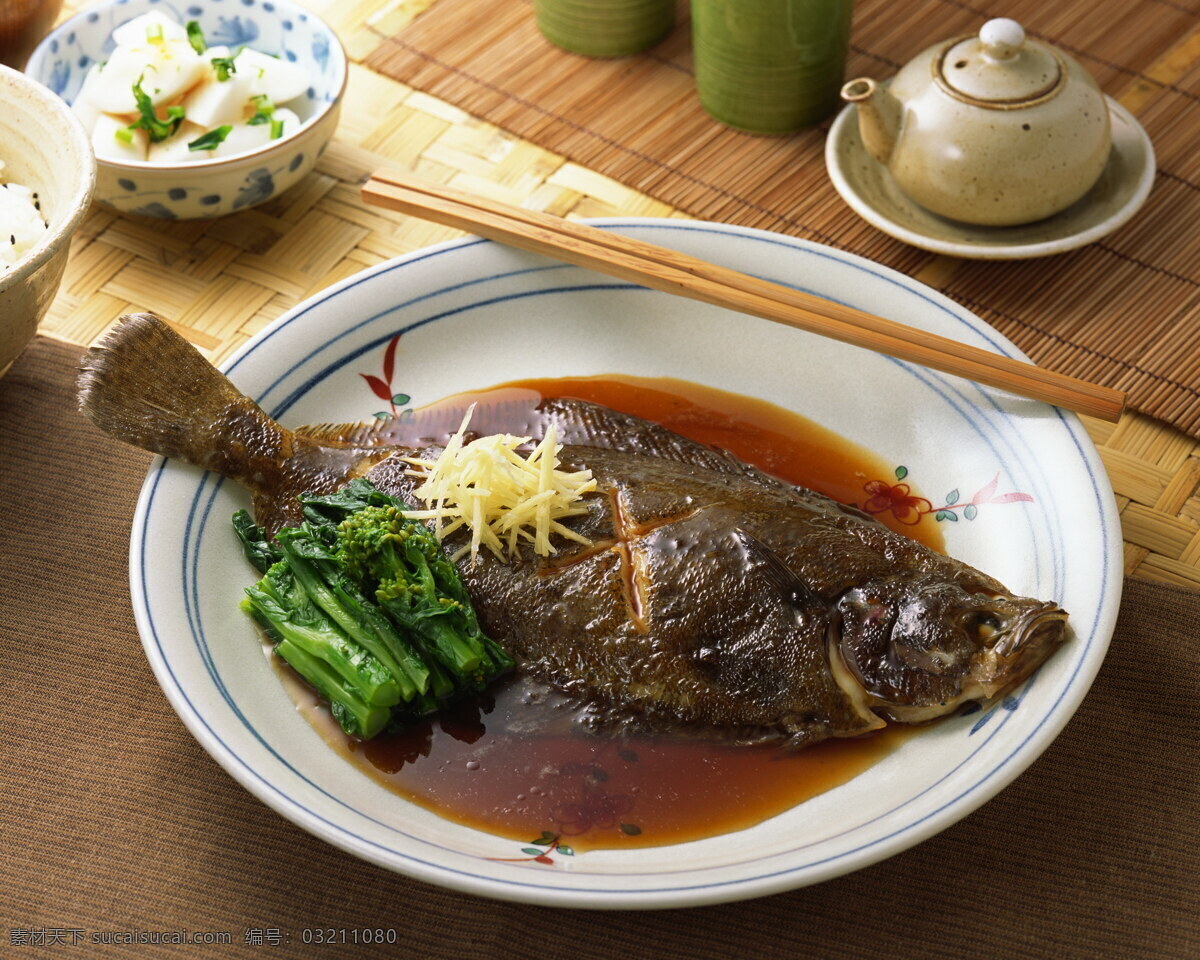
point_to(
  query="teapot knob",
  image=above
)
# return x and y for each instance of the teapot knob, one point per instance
(1001, 38)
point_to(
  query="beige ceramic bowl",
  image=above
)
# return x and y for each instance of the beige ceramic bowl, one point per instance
(43, 147)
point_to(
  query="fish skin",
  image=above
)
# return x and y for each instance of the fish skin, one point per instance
(681, 613)
(712, 646)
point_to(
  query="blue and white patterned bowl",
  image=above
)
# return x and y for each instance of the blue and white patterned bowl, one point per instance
(1028, 503)
(208, 188)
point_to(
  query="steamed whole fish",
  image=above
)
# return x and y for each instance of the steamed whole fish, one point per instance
(712, 597)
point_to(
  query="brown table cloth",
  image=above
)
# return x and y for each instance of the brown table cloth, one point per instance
(115, 822)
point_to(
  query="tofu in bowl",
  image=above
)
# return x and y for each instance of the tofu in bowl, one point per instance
(199, 117)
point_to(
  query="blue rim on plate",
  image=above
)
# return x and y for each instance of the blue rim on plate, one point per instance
(436, 288)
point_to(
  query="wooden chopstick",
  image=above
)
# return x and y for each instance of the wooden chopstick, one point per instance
(672, 272)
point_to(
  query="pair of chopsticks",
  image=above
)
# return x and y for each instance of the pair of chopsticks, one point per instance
(672, 272)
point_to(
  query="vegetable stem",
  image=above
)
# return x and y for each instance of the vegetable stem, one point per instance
(280, 602)
(334, 592)
(356, 717)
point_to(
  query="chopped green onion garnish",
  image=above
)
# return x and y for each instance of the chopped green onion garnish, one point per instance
(276, 129)
(211, 140)
(195, 36)
(154, 33)
(125, 135)
(263, 109)
(157, 129)
(224, 66)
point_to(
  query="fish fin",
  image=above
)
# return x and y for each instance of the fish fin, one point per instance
(146, 385)
(360, 435)
(805, 736)
(433, 425)
(587, 424)
(794, 590)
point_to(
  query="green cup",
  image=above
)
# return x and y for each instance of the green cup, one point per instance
(770, 66)
(604, 28)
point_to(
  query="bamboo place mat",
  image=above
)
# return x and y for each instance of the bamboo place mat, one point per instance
(117, 823)
(222, 281)
(1123, 311)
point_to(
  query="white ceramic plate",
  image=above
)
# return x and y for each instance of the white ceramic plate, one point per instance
(474, 313)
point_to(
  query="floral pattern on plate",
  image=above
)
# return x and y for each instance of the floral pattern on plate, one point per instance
(905, 506)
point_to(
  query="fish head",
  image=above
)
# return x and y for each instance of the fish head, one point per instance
(917, 648)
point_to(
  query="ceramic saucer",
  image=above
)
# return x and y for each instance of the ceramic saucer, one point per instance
(870, 190)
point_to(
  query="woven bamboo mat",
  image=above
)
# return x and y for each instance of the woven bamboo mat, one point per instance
(1123, 311)
(222, 281)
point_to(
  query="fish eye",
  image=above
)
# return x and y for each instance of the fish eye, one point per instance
(987, 625)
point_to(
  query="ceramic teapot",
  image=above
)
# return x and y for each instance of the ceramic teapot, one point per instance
(994, 130)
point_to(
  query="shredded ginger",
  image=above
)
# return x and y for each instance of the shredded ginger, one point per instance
(505, 499)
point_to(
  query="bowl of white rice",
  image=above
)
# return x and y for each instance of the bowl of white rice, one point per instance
(47, 175)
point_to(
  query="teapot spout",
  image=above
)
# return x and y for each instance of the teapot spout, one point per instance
(878, 116)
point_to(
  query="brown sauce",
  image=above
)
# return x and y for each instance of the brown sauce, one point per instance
(517, 764)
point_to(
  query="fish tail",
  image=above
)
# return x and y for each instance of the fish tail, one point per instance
(146, 385)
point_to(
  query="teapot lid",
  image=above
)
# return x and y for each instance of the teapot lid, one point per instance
(1000, 68)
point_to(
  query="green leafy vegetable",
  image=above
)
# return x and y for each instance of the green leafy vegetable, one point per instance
(195, 36)
(356, 717)
(156, 129)
(211, 140)
(325, 581)
(365, 605)
(402, 563)
(276, 129)
(260, 551)
(280, 600)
